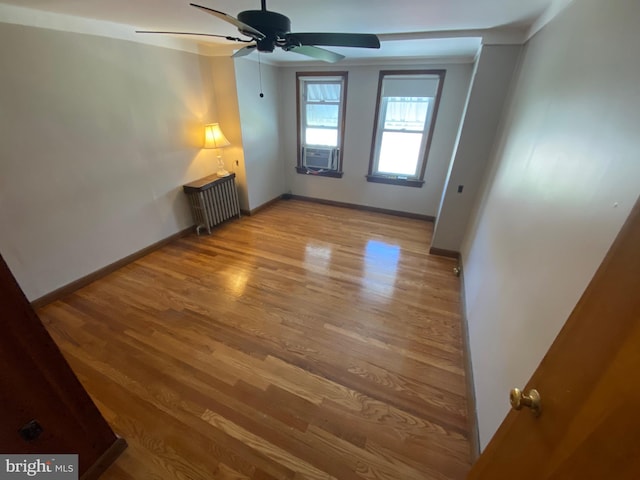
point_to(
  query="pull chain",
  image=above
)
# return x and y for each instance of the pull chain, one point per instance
(260, 74)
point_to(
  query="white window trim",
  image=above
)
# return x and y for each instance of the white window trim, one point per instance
(305, 82)
(398, 179)
(303, 78)
(423, 143)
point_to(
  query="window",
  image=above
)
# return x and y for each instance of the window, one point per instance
(405, 118)
(321, 115)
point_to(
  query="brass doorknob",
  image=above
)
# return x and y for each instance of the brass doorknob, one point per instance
(531, 400)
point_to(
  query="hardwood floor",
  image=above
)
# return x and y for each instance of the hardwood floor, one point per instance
(306, 342)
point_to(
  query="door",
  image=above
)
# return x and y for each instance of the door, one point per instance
(589, 384)
(43, 407)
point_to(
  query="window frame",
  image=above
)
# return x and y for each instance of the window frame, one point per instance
(376, 139)
(342, 111)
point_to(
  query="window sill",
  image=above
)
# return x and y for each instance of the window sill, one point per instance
(319, 173)
(392, 180)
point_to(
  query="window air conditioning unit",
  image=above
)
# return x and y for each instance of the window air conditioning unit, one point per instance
(325, 158)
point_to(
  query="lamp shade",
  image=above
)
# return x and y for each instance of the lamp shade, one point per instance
(213, 137)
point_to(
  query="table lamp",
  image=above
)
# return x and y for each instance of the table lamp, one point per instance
(214, 138)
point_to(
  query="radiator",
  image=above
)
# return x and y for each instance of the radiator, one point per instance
(212, 200)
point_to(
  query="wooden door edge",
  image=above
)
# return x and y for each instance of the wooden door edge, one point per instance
(106, 459)
(493, 457)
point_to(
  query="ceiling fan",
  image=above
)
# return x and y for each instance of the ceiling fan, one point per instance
(268, 30)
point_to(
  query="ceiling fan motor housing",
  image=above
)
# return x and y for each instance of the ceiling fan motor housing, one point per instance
(274, 26)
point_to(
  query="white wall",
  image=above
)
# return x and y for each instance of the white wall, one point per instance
(261, 130)
(566, 174)
(226, 95)
(490, 83)
(360, 112)
(96, 138)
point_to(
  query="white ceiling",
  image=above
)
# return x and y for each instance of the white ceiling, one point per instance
(408, 28)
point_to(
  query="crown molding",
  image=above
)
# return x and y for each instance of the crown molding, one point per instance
(68, 23)
(30, 17)
(489, 36)
(553, 10)
(380, 61)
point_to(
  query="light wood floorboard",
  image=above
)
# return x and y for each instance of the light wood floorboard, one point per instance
(305, 342)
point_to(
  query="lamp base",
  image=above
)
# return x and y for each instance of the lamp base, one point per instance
(221, 171)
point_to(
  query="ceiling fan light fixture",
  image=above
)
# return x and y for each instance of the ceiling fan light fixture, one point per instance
(268, 30)
(266, 45)
(272, 24)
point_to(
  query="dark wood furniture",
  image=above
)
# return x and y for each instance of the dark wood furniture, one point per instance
(45, 409)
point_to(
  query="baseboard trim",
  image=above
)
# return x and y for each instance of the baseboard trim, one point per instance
(472, 411)
(105, 460)
(397, 213)
(104, 271)
(259, 208)
(444, 253)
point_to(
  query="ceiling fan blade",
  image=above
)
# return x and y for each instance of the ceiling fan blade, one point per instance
(319, 53)
(243, 27)
(243, 52)
(361, 40)
(234, 39)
